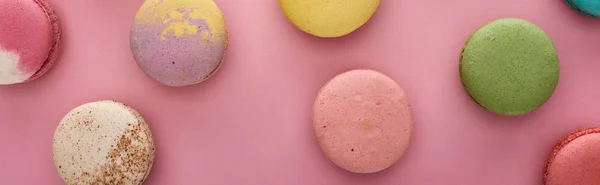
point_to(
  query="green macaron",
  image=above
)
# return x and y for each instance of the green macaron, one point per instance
(509, 66)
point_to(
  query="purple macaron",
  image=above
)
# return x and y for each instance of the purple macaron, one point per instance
(179, 42)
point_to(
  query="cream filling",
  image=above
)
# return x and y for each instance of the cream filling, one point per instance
(9, 68)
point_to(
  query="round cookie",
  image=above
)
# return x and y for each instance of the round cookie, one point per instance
(328, 18)
(362, 121)
(103, 142)
(179, 42)
(587, 7)
(574, 160)
(30, 37)
(509, 66)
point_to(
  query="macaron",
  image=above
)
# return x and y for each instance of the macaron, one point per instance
(362, 121)
(330, 18)
(509, 66)
(30, 37)
(587, 7)
(575, 160)
(179, 42)
(103, 142)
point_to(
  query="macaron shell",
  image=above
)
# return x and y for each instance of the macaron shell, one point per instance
(179, 42)
(574, 7)
(331, 18)
(362, 121)
(586, 7)
(26, 39)
(56, 40)
(509, 66)
(575, 159)
(103, 142)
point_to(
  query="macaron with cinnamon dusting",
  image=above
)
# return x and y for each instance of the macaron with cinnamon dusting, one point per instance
(103, 142)
(575, 160)
(30, 37)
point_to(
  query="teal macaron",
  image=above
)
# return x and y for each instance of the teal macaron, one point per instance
(509, 66)
(586, 7)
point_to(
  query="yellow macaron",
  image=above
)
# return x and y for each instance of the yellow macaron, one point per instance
(328, 18)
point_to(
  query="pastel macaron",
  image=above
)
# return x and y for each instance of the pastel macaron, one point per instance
(103, 142)
(179, 42)
(362, 121)
(509, 66)
(30, 37)
(586, 7)
(330, 18)
(575, 159)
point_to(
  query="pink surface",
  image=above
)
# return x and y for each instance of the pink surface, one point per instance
(362, 121)
(250, 123)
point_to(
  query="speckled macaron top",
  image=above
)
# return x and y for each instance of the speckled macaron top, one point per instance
(30, 37)
(362, 121)
(586, 7)
(104, 142)
(179, 42)
(509, 66)
(331, 18)
(575, 160)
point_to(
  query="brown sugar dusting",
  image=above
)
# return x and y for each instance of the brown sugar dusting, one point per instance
(128, 161)
(86, 123)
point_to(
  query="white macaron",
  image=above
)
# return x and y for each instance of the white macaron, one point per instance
(103, 142)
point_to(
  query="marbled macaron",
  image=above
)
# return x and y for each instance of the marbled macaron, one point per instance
(575, 160)
(509, 66)
(587, 7)
(30, 37)
(179, 42)
(362, 121)
(330, 18)
(103, 142)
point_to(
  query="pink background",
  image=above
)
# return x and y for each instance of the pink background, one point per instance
(249, 124)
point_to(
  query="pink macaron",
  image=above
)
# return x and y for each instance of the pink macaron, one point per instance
(362, 121)
(29, 39)
(575, 160)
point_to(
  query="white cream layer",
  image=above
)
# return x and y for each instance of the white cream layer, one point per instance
(9, 68)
